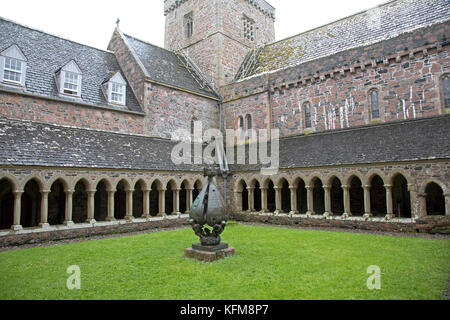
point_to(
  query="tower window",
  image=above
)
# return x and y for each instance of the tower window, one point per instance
(446, 87)
(375, 108)
(189, 24)
(307, 115)
(249, 29)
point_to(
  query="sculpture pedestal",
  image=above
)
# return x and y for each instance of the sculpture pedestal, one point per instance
(209, 253)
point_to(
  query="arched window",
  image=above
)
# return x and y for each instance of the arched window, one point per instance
(248, 119)
(446, 90)
(307, 115)
(374, 105)
(241, 127)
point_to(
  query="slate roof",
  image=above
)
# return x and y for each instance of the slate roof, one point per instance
(46, 54)
(410, 140)
(380, 23)
(165, 66)
(37, 144)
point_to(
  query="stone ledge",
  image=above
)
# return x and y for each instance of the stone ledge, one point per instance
(422, 225)
(38, 235)
(205, 256)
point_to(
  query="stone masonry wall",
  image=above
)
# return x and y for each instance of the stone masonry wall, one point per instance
(217, 46)
(406, 71)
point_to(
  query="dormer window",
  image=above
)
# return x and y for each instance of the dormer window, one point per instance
(13, 66)
(117, 93)
(115, 89)
(68, 80)
(71, 83)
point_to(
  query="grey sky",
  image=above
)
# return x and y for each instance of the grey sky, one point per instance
(92, 22)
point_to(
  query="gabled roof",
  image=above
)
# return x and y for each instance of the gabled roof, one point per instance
(380, 23)
(14, 52)
(165, 66)
(46, 54)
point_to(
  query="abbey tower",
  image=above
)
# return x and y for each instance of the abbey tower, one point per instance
(217, 34)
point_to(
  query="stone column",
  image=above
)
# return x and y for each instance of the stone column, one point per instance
(91, 203)
(162, 203)
(367, 211)
(278, 208)
(69, 207)
(129, 205)
(327, 192)
(413, 201)
(347, 209)
(111, 205)
(176, 201)
(189, 195)
(264, 200)
(146, 204)
(44, 209)
(17, 210)
(421, 205)
(390, 212)
(251, 199)
(447, 204)
(238, 198)
(310, 200)
(294, 209)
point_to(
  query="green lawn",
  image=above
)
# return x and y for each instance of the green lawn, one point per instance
(270, 263)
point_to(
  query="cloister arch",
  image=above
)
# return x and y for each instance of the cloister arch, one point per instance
(435, 199)
(356, 192)
(6, 203)
(156, 188)
(257, 195)
(80, 201)
(378, 205)
(302, 193)
(31, 204)
(57, 202)
(401, 198)
(121, 210)
(318, 196)
(285, 195)
(101, 200)
(138, 198)
(170, 197)
(336, 195)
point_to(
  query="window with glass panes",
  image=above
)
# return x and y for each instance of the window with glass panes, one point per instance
(117, 92)
(446, 87)
(71, 83)
(12, 70)
(307, 115)
(374, 104)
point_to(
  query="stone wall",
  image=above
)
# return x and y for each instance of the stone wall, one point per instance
(217, 46)
(406, 71)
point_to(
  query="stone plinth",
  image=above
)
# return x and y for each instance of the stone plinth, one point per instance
(209, 253)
